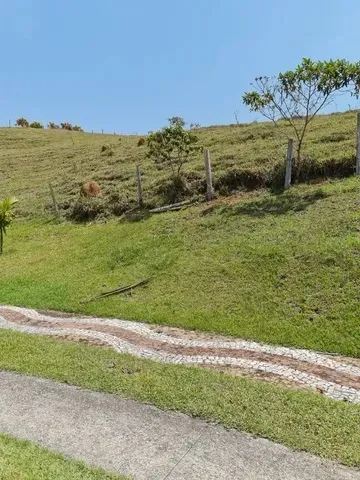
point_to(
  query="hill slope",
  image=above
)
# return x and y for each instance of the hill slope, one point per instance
(30, 159)
(277, 268)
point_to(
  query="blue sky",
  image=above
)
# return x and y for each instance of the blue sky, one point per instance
(129, 65)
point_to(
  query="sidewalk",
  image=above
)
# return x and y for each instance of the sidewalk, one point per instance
(145, 442)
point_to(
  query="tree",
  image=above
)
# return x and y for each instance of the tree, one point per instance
(77, 128)
(36, 125)
(6, 217)
(173, 145)
(298, 96)
(22, 122)
(66, 126)
(53, 126)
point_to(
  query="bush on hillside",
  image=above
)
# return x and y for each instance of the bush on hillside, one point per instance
(87, 209)
(66, 126)
(53, 126)
(90, 189)
(77, 128)
(36, 125)
(175, 189)
(141, 142)
(107, 150)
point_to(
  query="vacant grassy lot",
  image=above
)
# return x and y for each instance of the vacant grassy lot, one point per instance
(277, 268)
(21, 460)
(30, 158)
(301, 420)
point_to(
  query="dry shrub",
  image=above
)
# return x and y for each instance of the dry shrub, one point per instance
(90, 189)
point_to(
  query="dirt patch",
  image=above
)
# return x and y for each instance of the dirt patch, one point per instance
(83, 339)
(267, 377)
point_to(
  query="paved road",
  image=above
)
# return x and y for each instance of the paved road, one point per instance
(145, 442)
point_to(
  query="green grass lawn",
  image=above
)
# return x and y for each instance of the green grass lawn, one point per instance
(31, 158)
(305, 421)
(277, 268)
(20, 460)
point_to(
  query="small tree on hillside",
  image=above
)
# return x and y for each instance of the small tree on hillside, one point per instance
(6, 217)
(66, 126)
(22, 122)
(173, 145)
(298, 96)
(52, 126)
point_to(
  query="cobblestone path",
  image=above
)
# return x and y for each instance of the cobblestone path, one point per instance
(336, 377)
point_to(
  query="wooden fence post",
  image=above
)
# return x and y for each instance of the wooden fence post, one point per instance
(140, 193)
(55, 206)
(358, 146)
(288, 165)
(209, 187)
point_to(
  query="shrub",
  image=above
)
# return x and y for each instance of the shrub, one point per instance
(66, 126)
(173, 145)
(241, 178)
(36, 125)
(22, 122)
(119, 204)
(76, 128)
(107, 150)
(6, 217)
(53, 126)
(90, 189)
(141, 142)
(175, 189)
(86, 209)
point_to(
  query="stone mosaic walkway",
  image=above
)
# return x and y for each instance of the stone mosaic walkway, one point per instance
(335, 377)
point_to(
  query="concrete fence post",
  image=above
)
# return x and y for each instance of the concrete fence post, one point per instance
(209, 187)
(140, 193)
(55, 205)
(288, 165)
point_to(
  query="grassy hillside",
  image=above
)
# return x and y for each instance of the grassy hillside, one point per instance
(30, 159)
(280, 268)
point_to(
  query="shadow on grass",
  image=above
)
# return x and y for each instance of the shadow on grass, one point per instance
(278, 204)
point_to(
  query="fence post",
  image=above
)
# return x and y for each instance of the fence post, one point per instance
(358, 146)
(209, 187)
(56, 210)
(288, 165)
(140, 193)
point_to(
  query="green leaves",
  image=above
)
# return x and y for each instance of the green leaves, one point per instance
(173, 145)
(297, 96)
(6, 216)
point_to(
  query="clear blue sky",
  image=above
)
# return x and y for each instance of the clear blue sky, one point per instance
(129, 65)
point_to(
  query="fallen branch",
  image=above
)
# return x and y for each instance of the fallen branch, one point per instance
(118, 290)
(174, 206)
